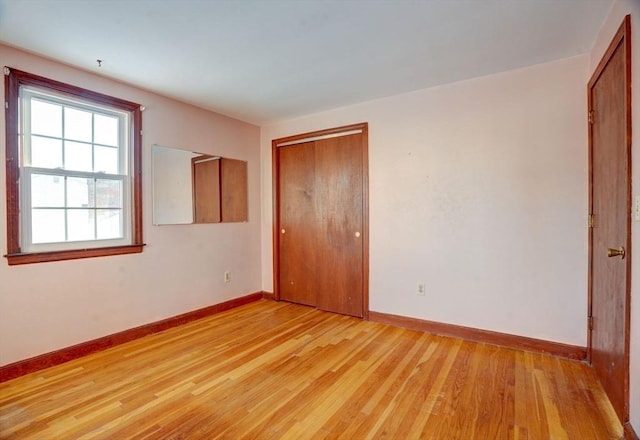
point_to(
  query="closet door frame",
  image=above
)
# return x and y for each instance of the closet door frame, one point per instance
(305, 137)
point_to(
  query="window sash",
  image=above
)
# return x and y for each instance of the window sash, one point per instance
(28, 245)
(28, 93)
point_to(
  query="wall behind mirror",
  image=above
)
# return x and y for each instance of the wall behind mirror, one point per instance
(190, 187)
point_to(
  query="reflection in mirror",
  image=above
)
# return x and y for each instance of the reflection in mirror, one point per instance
(191, 187)
(206, 189)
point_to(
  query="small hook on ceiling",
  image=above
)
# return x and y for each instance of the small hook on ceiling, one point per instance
(99, 63)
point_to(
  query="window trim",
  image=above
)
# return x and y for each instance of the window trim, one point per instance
(14, 79)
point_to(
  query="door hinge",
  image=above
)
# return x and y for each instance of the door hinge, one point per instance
(591, 221)
(591, 112)
(590, 322)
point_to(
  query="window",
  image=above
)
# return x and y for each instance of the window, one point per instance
(73, 171)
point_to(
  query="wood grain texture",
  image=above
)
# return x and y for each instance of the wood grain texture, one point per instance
(297, 236)
(205, 176)
(66, 354)
(11, 93)
(321, 215)
(234, 190)
(74, 254)
(136, 175)
(629, 432)
(339, 224)
(484, 336)
(307, 375)
(610, 203)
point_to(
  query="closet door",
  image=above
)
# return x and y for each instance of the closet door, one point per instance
(297, 235)
(320, 219)
(339, 224)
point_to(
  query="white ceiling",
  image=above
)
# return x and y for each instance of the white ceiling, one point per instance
(266, 60)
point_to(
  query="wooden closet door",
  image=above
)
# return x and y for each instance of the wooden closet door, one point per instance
(320, 219)
(297, 234)
(339, 224)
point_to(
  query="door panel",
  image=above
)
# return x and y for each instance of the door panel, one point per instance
(297, 244)
(206, 190)
(610, 186)
(233, 190)
(339, 208)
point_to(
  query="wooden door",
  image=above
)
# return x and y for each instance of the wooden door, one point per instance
(610, 237)
(339, 223)
(320, 222)
(297, 231)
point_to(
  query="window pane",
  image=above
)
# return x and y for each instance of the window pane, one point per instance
(77, 156)
(77, 125)
(105, 130)
(109, 223)
(108, 193)
(81, 224)
(80, 192)
(106, 160)
(46, 118)
(47, 225)
(46, 152)
(47, 191)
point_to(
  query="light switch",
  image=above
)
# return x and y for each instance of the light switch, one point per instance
(637, 209)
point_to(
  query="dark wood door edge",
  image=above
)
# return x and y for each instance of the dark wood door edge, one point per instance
(629, 433)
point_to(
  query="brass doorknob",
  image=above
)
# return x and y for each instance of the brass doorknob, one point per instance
(616, 252)
(283, 231)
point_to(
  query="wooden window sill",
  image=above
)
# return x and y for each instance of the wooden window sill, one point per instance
(45, 257)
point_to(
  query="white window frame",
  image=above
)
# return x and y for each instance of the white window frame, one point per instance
(27, 93)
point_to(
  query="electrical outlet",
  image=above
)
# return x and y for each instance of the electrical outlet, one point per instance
(227, 277)
(421, 290)
(637, 209)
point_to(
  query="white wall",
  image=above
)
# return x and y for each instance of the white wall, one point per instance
(479, 190)
(44, 307)
(618, 11)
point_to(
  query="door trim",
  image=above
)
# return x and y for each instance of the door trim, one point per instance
(306, 137)
(622, 36)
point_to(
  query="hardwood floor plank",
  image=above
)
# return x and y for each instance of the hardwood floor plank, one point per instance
(270, 370)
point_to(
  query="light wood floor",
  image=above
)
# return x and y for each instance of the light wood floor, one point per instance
(271, 370)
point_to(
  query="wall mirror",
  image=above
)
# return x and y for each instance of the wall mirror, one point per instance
(190, 187)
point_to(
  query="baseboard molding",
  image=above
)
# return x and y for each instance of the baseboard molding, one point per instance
(486, 336)
(629, 433)
(268, 295)
(57, 357)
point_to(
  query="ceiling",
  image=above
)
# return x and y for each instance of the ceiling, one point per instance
(266, 60)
